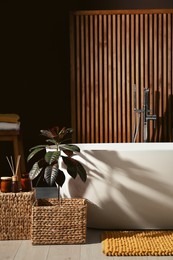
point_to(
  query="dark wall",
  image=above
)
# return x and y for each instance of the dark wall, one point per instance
(35, 60)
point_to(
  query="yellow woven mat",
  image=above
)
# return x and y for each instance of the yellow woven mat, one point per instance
(137, 243)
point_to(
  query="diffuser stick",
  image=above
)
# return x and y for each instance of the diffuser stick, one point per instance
(17, 164)
(11, 165)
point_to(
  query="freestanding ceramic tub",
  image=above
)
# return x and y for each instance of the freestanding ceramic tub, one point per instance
(129, 185)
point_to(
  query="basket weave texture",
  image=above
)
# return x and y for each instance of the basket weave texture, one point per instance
(15, 215)
(59, 221)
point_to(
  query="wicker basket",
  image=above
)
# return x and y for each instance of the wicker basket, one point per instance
(15, 215)
(59, 221)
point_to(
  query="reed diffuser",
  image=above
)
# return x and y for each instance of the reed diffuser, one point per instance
(15, 185)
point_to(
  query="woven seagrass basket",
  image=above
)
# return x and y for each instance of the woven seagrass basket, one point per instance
(60, 221)
(15, 215)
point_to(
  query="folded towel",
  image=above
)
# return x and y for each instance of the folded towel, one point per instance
(9, 126)
(10, 118)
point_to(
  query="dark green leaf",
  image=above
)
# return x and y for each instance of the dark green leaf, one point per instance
(47, 174)
(54, 173)
(62, 133)
(55, 130)
(68, 153)
(42, 163)
(38, 146)
(70, 147)
(60, 179)
(50, 174)
(36, 150)
(35, 171)
(81, 171)
(71, 166)
(51, 141)
(52, 156)
(65, 131)
(46, 133)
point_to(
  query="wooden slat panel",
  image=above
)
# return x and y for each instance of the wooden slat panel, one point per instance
(172, 83)
(123, 86)
(165, 76)
(146, 32)
(160, 75)
(110, 105)
(78, 81)
(150, 73)
(86, 84)
(157, 98)
(146, 63)
(133, 78)
(96, 78)
(105, 49)
(130, 11)
(101, 100)
(83, 80)
(119, 88)
(128, 92)
(114, 55)
(141, 70)
(92, 86)
(110, 52)
(137, 72)
(170, 68)
(73, 79)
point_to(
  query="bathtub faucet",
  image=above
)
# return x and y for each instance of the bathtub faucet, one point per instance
(147, 115)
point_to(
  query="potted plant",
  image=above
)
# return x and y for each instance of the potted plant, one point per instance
(66, 217)
(56, 148)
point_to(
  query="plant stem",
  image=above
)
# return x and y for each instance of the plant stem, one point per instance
(58, 192)
(39, 178)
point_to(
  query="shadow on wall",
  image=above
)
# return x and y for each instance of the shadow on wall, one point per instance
(163, 132)
(125, 192)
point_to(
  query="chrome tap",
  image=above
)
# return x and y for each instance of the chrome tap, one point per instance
(147, 115)
(137, 112)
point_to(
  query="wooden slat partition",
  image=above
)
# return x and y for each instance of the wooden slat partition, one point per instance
(110, 51)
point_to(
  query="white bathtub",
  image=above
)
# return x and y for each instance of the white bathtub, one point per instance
(129, 185)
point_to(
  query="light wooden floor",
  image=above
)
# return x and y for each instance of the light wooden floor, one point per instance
(91, 250)
(24, 250)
